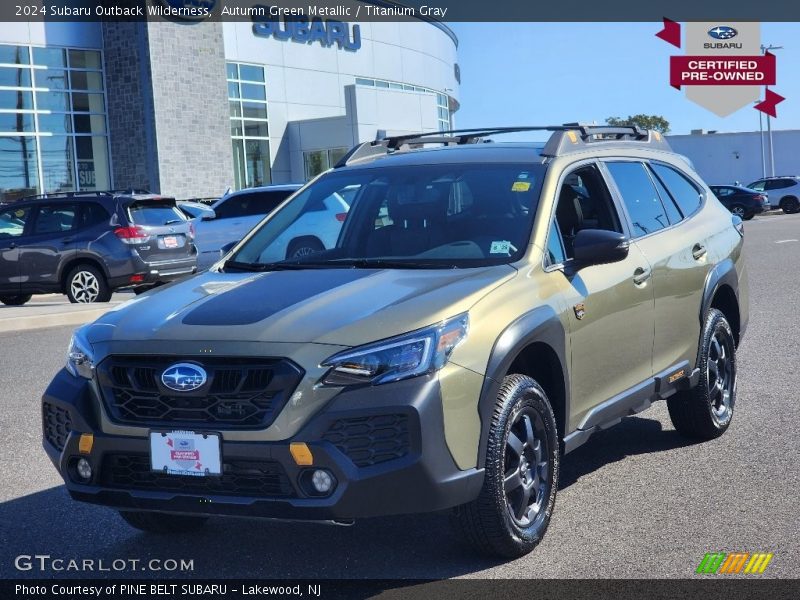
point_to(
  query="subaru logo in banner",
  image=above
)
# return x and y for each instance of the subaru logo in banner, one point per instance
(184, 377)
(722, 32)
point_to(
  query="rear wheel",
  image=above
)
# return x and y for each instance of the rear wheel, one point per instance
(790, 205)
(740, 211)
(85, 284)
(156, 522)
(512, 512)
(303, 247)
(18, 300)
(706, 411)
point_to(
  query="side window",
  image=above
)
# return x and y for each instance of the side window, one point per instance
(584, 202)
(263, 203)
(555, 249)
(639, 196)
(232, 207)
(778, 184)
(667, 200)
(720, 192)
(758, 185)
(93, 214)
(55, 218)
(12, 221)
(683, 191)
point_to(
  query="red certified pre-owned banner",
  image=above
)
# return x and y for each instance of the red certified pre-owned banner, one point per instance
(722, 70)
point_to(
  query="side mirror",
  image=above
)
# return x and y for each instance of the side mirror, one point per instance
(208, 215)
(227, 248)
(599, 246)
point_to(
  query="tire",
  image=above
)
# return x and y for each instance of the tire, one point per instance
(303, 246)
(18, 300)
(86, 283)
(505, 523)
(740, 211)
(156, 522)
(706, 411)
(790, 205)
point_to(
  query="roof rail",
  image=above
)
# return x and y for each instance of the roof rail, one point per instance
(96, 193)
(566, 138)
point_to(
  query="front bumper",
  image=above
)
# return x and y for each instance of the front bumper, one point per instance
(384, 445)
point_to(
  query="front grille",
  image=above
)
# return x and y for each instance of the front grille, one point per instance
(257, 479)
(57, 424)
(240, 393)
(370, 440)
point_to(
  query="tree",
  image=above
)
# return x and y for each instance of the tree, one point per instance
(654, 122)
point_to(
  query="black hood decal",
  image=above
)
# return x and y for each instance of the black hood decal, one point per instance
(271, 293)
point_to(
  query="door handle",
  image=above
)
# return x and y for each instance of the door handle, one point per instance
(642, 274)
(12, 245)
(698, 251)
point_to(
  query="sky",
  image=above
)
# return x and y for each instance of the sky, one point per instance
(553, 73)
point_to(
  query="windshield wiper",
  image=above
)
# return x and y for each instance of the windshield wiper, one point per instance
(234, 265)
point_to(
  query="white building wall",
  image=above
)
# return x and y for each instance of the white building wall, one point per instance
(308, 82)
(74, 35)
(722, 158)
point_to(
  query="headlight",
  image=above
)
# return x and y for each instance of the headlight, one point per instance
(401, 357)
(80, 361)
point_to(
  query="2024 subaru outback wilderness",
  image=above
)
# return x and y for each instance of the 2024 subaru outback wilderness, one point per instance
(487, 307)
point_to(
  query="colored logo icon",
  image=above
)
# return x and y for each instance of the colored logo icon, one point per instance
(722, 32)
(184, 377)
(732, 563)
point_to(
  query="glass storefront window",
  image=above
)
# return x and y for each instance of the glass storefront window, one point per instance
(16, 99)
(16, 123)
(15, 76)
(247, 95)
(84, 59)
(57, 163)
(19, 169)
(50, 57)
(14, 55)
(63, 116)
(317, 161)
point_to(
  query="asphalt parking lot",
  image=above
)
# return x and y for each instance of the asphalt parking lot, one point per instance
(635, 501)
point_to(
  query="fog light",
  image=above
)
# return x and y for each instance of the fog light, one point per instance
(84, 469)
(322, 481)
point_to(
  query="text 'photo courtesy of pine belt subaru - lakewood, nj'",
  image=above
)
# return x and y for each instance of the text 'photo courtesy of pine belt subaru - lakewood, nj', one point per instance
(486, 308)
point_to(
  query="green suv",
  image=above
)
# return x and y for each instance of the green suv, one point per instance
(486, 308)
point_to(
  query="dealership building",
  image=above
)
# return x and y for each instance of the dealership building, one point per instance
(191, 109)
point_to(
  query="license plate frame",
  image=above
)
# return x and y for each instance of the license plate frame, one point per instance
(170, 241)
(186, 453)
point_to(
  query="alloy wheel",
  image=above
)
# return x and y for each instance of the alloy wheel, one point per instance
(738, 211)
(721, 376)
(85, 287)
(303, 251)
(526, 468)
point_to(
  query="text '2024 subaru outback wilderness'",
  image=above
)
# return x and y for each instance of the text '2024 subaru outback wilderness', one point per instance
(486, 308)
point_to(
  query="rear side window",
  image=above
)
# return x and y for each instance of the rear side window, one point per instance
(55, 218)
(779, 184)
(683, 191)
(93, 214)
(251, 204)
(640, 197)
(155, 213)
(667, 200)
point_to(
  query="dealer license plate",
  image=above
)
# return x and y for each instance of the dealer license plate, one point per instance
(185, 453)
(170, 241)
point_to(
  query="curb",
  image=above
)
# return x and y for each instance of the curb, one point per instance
(78, 317)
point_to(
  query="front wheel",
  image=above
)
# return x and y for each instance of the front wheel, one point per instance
(706, 411)
(512, 512)
(790, 205)
(156, 522)
(302, 247)
(17, 300)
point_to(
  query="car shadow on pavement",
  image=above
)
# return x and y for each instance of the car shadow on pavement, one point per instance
(400, 547)
(634, 435)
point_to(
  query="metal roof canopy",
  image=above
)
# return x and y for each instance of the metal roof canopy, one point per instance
(566, 139)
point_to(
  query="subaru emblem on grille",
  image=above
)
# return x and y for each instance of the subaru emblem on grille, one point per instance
(184, 377)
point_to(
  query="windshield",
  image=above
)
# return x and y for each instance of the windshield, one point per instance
(432, 216)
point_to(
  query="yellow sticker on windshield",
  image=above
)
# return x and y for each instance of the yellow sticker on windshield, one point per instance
(521, 186)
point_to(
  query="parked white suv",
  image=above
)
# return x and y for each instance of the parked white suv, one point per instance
(784, 192)
(234, 215)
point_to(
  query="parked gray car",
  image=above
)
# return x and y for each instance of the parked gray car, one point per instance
(88, 244)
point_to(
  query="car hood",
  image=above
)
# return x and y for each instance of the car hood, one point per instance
(341, 307)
